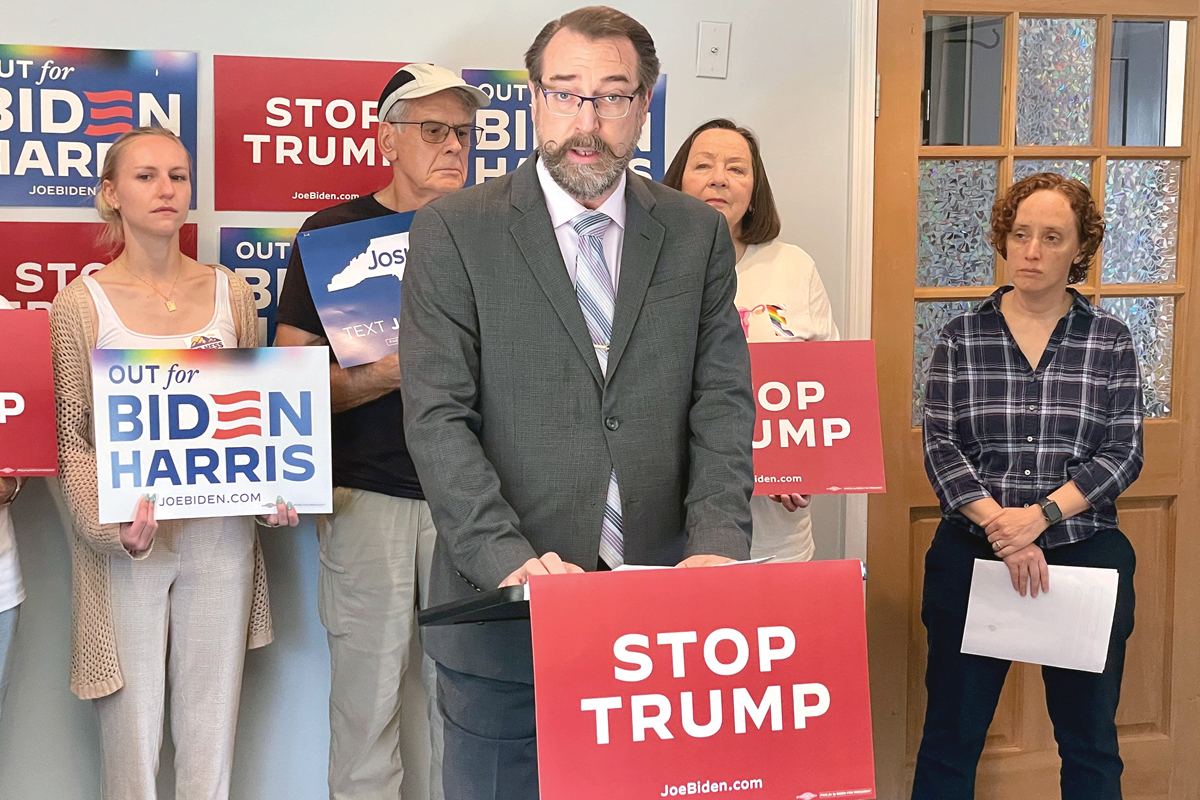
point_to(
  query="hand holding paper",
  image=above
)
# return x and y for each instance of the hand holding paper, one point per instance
(1027, 568)
(1069, 627)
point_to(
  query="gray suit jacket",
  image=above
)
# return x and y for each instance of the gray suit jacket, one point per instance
(514, 429)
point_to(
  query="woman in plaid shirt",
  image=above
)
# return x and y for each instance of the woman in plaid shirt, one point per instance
(1033, 428)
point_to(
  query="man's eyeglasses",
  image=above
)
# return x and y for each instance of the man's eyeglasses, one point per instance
(436, 132)
(567, 104)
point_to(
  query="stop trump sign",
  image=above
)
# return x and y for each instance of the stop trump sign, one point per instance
(672, 682)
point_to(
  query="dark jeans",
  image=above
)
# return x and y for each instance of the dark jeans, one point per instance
(490, 738)
(964, 689)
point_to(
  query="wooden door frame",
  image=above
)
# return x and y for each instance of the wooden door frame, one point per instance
(890, 593)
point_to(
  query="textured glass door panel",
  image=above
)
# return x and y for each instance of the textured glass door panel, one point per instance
(1078, 168)
(954, 207)
(928, 321)
(1056, 63)
(1146, 83)
(964, 80)
(1141, 207)
(1151, 322)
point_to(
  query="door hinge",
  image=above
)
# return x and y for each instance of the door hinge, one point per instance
(877, 83)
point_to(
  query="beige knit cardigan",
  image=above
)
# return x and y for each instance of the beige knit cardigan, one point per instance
(95, 663)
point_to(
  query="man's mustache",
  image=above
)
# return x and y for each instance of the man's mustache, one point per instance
(586, 142)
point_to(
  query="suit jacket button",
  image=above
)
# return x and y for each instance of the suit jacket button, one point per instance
(612, 423)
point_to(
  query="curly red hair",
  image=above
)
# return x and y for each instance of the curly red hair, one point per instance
(1089, 221)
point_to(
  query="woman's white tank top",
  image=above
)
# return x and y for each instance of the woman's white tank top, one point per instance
(112, 334)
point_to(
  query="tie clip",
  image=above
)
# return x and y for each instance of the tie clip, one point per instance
(603, 347)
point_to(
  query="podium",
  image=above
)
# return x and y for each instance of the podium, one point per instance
(671, 682)
(509, 603)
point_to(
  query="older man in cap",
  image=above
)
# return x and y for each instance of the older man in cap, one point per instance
(377, 546)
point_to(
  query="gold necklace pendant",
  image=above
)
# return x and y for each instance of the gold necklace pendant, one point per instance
(170, 303)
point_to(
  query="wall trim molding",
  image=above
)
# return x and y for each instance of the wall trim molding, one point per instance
(863, 90)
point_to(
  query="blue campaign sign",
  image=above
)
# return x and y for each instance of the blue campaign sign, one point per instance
(61, 108)
(260, 256)
(355, 273)
(507, 138)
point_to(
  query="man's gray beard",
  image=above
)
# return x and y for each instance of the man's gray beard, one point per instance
(587, 181)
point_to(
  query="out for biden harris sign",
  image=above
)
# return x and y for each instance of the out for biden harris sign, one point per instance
(212, 432)
(61, 108)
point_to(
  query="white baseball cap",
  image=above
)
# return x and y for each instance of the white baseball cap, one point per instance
(422, 80)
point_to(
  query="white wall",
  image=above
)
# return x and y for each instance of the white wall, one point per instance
(789, 80)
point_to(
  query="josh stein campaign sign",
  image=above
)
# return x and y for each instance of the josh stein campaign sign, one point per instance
(212, 432)
(355, 272)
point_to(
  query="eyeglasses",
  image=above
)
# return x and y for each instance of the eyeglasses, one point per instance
(436, 132)
(567, 104)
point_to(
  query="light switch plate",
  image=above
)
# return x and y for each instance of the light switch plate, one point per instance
(712, 50)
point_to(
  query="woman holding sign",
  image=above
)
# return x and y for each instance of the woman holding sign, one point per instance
(1033, 428)
(12, 589)
(779, 295)
(182, 597)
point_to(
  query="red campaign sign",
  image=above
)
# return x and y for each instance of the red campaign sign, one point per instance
(671, 682)
(28, 437)
(296, 134)
(39, 259)
(817, 427)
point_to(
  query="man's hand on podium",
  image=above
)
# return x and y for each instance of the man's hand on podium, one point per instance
(549, 564)
(704, 561)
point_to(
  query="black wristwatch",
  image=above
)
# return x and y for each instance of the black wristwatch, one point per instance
(1050, 511)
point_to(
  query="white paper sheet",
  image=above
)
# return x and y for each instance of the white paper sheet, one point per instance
(762, 560)
(1068, 627)
(628, 567)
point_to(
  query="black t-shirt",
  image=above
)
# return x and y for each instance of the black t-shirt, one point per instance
(369, 451)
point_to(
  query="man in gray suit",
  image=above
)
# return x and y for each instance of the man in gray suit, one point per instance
(575, 378)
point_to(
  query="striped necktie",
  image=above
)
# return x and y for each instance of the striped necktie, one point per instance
(597, 299)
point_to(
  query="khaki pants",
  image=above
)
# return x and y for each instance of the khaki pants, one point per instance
(372, 549)
(182, 611)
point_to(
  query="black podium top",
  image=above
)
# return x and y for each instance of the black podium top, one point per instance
(507, 603)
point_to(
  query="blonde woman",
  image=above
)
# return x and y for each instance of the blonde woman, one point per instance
(155, 604)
